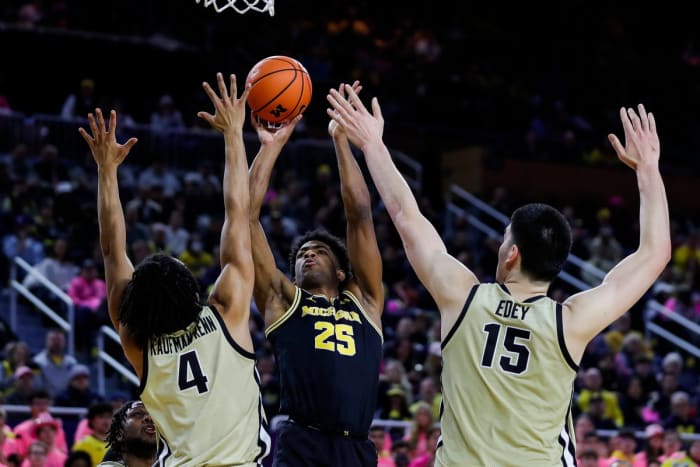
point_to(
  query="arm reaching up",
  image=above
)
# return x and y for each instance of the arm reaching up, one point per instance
(273, 291)
(589, 312)
(108, 154)
(446, 279)
(365, 259)
(233, 289)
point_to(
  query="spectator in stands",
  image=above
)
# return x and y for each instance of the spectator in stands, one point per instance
(50, 168)
(58, 268)
(632, 402)
(22, 390)
(88, 292)
(79, 459)
(22, 242)
(176, 235)
(418, 435)
(428, 394)
(596, 410)
(694, 451)
(396, 409)
(644, 370)
(77, 104)
(196, 258)
(8, 442)
(167, 116)
(78, 393)
(45, 430)
(37, 455)
(16, 355)
(378, 436)
(593, 387)
(625, 444)
(672, 446)
(683, 418)
(39, 413)
(131, 438)
(54, 363)
(588, 458)
(428, 458)
(95, 444)
(653, 445)
(673, 364)
(158, 173)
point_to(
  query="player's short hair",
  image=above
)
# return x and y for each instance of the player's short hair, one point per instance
(543, 236)
(336, 245)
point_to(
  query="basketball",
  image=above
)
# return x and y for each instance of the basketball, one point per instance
(281, 89)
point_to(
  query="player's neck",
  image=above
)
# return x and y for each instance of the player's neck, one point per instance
(329, 292)
(521, 286)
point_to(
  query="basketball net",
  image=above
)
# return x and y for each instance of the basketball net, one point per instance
(241, 6)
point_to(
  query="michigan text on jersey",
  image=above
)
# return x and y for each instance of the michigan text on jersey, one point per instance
(330, 311)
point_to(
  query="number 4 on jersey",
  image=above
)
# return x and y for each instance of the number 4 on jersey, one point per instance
(190, 374)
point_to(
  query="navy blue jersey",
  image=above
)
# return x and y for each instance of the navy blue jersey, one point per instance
(328, 354)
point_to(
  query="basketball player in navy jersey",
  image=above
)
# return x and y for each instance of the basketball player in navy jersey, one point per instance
(325, 323)
(510, 353)
(195, 360)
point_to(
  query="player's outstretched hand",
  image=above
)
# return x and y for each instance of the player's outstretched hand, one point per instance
(334, 130)
(229, 109)
(103, 141)
(641, 140)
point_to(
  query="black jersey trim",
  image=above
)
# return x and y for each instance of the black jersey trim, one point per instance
(236, 346)
(562, 342)
(144, 369)
(461, 316)
(287, 314)
(527, 300)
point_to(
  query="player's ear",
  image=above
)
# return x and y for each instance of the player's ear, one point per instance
(340, 274)
(513, 256)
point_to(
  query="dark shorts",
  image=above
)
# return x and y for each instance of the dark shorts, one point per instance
(302, 446)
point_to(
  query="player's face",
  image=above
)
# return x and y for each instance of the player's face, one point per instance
(139, 424)
(315, 264)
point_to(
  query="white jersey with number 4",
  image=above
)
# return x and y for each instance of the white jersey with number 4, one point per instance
(202, 390)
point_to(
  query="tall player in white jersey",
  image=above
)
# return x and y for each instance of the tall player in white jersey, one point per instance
(509, 352)
(195, 360)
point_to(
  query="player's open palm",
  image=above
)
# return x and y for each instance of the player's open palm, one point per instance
(641, 140)
(103, 141)
(352, 116)
(230, 110)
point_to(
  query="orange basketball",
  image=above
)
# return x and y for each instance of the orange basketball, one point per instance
(281, 89)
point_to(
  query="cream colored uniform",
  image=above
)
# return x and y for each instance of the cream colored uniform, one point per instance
(202, 391)
(507, 384)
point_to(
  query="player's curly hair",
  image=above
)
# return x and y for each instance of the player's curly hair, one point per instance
(336, 245)
(115, 434)
(162, 297)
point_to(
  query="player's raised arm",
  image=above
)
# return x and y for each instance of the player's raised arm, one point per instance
(365, 259)
(443, 276)
(273, 290)
(589, 312)
(108, 155)
(233, 289)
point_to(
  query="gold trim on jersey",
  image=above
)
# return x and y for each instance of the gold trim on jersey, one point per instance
(287, 314)
(364, 313)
